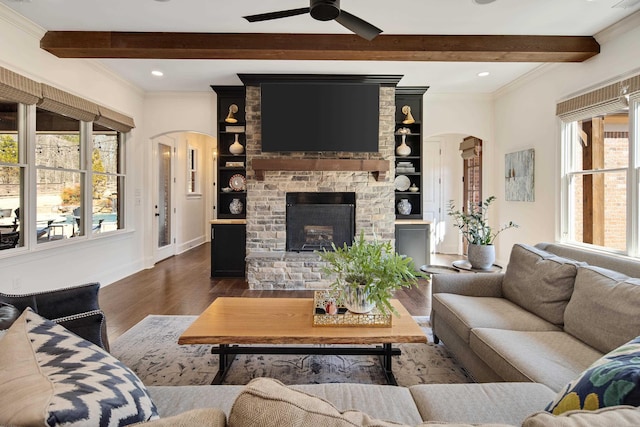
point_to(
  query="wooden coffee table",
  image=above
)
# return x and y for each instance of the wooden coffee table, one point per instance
(233, 323)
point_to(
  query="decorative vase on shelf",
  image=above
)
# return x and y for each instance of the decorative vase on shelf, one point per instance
(403, 149)
(235, 207)
(404, 207)
(481, 257)
(236, 147)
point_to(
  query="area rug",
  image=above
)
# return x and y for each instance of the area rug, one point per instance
(150, 349)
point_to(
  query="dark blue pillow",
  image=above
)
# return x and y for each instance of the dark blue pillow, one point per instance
(612, 380)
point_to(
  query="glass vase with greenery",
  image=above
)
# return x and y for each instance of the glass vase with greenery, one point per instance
(372, 268)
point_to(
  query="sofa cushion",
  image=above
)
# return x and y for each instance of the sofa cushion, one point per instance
(378, 401)
(266, 402)
(203, 417)
(174, 400)
(50, 376)
(539, 281)
(464, 313)
(611, 380)
(603, 310)
(549, 357)
(480, 403)
(617, 416)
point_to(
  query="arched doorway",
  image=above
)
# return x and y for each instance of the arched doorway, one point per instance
(182, 195)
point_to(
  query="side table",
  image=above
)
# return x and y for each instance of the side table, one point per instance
(438, 269)
(464, 265)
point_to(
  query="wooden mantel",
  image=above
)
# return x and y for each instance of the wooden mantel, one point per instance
(379, 168)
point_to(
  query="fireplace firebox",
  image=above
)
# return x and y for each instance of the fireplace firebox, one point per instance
(316, 220)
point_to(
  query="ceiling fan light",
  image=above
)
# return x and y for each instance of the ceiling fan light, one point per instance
(324, 10)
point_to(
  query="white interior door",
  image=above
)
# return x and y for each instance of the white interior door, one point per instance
(164, 203)
(431, 203)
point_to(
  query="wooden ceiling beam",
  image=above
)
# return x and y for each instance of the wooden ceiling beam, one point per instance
(269, 46)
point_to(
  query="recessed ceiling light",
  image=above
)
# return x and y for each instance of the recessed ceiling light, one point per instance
(483, 1)
(157, 73)
(483, 74)
(162, 1)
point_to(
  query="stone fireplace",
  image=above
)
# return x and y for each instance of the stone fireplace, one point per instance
(315, 221)
(269, 264)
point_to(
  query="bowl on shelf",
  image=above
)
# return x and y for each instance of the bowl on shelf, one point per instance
(226, 190)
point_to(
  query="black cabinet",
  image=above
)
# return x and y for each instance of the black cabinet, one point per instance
(412, 240)
(228, 250)
(408, 159)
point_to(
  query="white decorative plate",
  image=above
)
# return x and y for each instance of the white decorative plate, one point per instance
(402, 183)
(237, 182)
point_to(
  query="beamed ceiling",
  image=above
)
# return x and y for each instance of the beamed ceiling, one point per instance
(271, 46)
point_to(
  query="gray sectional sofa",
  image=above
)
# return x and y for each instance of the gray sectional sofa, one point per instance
(523, 335)
(553, 312)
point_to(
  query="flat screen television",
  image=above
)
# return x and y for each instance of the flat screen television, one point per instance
(320, 116)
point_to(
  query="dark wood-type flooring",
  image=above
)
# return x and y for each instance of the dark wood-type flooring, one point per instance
(182, 285)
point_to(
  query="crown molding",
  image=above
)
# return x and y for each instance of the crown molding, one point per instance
(626, 24)
(13, 18)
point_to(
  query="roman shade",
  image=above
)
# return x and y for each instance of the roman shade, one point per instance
(61, 102)
(470, 147)
(113, 120)
(17, 88)
(600, 101)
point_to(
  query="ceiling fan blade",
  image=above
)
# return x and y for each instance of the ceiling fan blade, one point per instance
(357, 25)
(276, 15)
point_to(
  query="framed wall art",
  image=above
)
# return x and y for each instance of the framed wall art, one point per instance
(519, 176)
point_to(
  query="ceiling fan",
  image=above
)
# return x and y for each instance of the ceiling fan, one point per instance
(325, 10)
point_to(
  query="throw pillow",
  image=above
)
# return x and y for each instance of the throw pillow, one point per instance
(611, 380)
(615, 416)
(8, 315)
(539, 282)
(50, 376)
(266, 402)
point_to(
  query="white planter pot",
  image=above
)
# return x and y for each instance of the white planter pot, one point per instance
(481, 256)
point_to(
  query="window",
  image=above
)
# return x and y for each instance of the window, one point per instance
(599, 177)
(59, 176)
(11, 176)
(192, 171)
(61, 165)
(107, 179)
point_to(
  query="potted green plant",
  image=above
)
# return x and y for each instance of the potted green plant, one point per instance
(368, 273)
(476, 230)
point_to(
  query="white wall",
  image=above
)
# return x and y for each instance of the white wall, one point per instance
(450, 118)
(110, 257)
(526, 119)
(106, 259)
(175, 114)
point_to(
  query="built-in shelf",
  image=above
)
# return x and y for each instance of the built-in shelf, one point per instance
(379, 168)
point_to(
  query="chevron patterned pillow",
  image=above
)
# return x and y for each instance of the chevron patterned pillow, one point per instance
(50, 376)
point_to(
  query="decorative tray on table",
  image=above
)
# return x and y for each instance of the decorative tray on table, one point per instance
(343, 317)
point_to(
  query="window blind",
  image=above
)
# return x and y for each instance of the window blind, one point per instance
(114, 120)
(600, 101)
(61, 102)
(17, 88)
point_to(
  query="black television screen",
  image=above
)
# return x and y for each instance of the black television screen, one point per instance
(322, 116)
